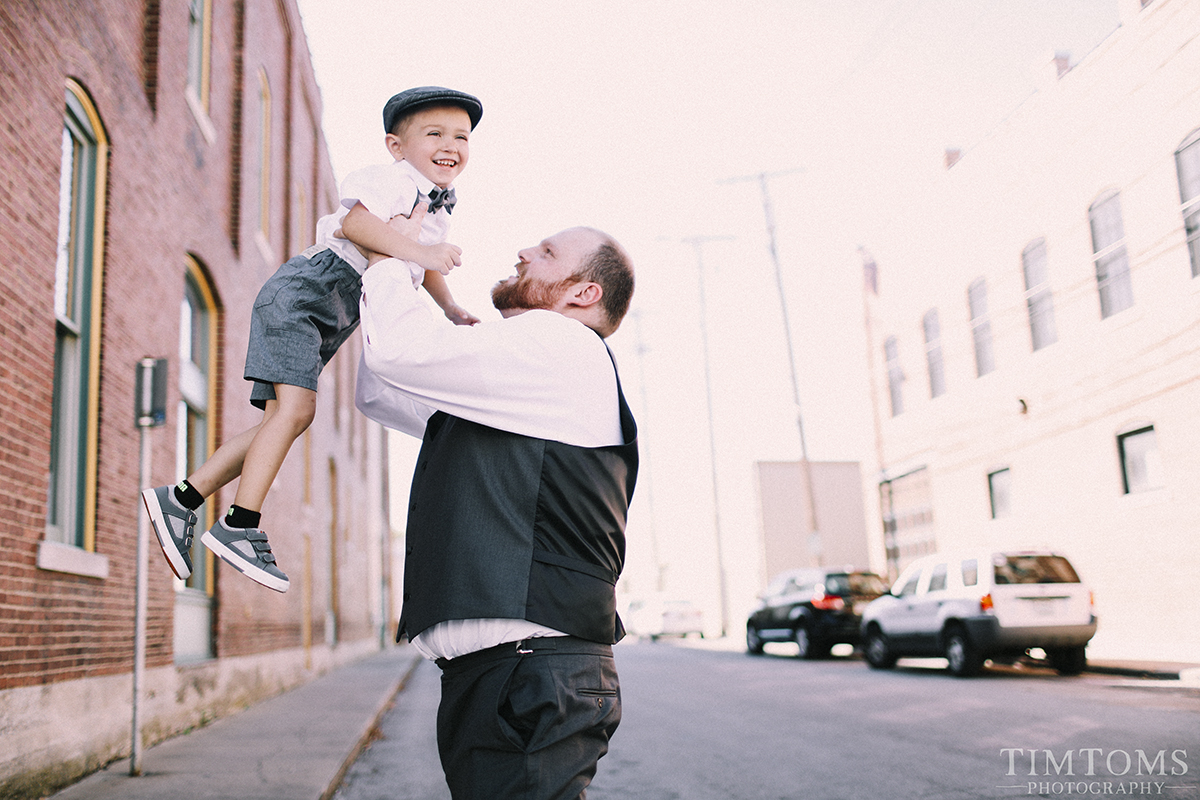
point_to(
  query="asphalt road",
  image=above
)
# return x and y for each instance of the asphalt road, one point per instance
(701, 723)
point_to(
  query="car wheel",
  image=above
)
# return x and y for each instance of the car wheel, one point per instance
(962, 659)
(877, 652)
(754, 644)
(1068, 660)
(807, 647)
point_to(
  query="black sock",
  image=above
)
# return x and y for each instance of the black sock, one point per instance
(239, 517)
(187, 496)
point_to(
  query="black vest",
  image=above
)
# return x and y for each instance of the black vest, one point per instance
(512, 527)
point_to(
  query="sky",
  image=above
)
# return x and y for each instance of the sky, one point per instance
(653, 120)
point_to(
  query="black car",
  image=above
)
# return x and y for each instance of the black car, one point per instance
(815, 608)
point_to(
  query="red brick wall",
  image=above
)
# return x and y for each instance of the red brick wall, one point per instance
(170, 193)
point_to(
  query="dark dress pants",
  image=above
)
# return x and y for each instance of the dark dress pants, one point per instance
(527, 720)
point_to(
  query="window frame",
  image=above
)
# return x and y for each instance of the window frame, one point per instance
(981, 327)
(75, 425)
(1000, 494)
(895, 375)
(1149, 458)
(1188, 154)
(934, 363)
(1039, 301)
(1114, 287)
(199, 53)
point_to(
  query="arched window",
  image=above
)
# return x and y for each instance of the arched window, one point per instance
(195, 442)
(1187, 162)
(78, 277)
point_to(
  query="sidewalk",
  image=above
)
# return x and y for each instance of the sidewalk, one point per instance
(296, 746)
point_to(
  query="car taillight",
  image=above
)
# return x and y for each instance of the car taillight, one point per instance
(986, 604)
(827, 602)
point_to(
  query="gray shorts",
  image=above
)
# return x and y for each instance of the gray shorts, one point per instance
(303, 314)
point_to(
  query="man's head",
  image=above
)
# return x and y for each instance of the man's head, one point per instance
(580, 272)
(429, 127)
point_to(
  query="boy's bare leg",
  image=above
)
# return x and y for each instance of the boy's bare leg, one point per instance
(226, 463)
(294, 409)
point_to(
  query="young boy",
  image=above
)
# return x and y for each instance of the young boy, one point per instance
(309, 307)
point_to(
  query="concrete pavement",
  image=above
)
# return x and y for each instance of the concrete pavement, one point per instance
(296, 746)
(302, 743)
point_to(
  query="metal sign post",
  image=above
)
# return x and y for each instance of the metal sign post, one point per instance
(150, 398)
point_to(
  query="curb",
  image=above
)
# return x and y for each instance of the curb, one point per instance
(369, 731)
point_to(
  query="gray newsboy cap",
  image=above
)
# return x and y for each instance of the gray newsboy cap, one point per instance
(410, 100)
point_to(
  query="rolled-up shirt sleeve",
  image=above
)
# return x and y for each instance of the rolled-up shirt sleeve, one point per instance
(537, 374)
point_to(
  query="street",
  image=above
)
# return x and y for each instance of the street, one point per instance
(702, 723)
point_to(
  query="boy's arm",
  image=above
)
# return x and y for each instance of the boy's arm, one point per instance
(435, 284)
(371, 233)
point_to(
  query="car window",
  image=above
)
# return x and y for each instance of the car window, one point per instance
(866, 583)
(970, 572)
(909, 588)
(937, 581)
(1029, 568)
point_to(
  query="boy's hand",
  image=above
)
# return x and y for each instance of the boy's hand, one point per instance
(440, 257)
(460, 316)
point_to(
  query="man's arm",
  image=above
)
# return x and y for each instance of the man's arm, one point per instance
(537, 374)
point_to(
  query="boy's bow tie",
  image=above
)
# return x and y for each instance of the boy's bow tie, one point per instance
(439, 197)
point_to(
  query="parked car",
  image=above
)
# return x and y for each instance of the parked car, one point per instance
(657, 616)
(977, 606)
(815, 608)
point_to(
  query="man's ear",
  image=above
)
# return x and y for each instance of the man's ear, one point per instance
(392, 142)
(584, 294)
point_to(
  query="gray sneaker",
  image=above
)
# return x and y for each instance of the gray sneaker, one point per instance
(174, 525)
(247, 551)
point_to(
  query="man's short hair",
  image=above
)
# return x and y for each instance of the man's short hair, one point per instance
(610, 266)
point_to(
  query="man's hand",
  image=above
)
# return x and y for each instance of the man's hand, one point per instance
(460, 316)
(409, 227)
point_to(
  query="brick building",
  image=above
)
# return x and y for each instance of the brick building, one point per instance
(1033, 337)
(160, 159)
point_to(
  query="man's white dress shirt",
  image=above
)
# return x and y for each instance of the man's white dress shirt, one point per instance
(538, 374)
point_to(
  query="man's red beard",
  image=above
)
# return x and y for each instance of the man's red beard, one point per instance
(527, 293)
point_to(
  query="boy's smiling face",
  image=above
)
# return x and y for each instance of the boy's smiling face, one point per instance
(434, 140)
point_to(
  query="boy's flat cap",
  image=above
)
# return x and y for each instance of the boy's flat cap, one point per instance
(410, 100)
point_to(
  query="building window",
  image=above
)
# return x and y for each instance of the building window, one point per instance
(197, 394)
(264, 156)
(891, 354)
(981, 327)
(1000, 492)
(1141, 468)
(194, 443)
(78, 274)
(199, 46)
(1187, 162)
(1037, 295)
(1108, 248)
(933, 353)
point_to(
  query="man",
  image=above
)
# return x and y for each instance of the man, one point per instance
(517, 513)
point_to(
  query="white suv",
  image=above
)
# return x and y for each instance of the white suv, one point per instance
(972, 607)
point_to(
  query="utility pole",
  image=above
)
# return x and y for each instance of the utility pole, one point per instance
(697, 243)
(761, 178)
(659, 567)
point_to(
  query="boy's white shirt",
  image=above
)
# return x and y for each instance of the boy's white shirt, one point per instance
(385, 190)
(538, 374)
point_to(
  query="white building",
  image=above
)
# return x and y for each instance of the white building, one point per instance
(1034, 337)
